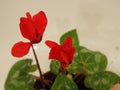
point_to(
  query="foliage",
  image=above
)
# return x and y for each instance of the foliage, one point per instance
(64, 83)
(19, 77)
(91, 64)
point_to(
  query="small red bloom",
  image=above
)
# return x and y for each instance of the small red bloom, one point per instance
(63, 53)
(32, 28)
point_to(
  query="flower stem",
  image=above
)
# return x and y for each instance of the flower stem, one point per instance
(38, 65)
(62, 70)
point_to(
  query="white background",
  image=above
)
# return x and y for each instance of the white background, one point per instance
(97, 23)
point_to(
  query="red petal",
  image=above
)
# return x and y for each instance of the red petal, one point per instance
(40, 22)
(68, 48)
(71, 54)
(51, 44)
(55, 53)
(67, 42)
(27, 29)
(63, 53)
(20, 49)
(58, 54)
(29, 16)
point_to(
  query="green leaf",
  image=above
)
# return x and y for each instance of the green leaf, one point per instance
(64, 83)
(89, 62)
(33, 68)
(75, 66)
(93, 61)
(102, 80)
(18, 77)
(73, 35)
(55, 66)
(87, 81)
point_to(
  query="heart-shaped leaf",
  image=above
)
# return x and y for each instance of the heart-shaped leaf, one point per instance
(102, 80)
(89, 62)
(93, 61)
(62, 82)
(73, 35)
(18, 77)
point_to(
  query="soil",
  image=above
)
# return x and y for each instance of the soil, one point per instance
(50, 77)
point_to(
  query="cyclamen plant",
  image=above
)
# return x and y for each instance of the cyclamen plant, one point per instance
(72, 66)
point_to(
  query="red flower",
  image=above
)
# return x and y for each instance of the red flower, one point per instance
(32, 28)
(63, 53)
